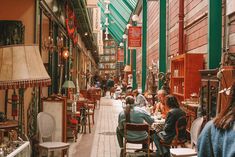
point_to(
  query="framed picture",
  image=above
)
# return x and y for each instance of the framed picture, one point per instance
(56, 106)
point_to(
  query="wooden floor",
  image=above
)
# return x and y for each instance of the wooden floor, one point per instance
(102, 141)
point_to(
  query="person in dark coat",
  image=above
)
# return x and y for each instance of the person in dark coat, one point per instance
(168, 132)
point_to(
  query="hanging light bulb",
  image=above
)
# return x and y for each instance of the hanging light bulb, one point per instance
(107, 11)
(124, 36)
(106, 37)
(106, 30)
(107, 1)
(106, 22)
(121, 44)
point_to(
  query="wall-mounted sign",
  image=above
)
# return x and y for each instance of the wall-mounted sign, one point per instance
(134, 37)
(120, 55)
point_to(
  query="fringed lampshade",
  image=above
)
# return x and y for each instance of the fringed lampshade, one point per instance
(21, 66)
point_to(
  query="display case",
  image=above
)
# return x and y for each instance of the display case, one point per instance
(208, 93)
(185, 76)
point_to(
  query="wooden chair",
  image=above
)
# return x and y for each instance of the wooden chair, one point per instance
(194, 133)
(136, 127)
(46, 126)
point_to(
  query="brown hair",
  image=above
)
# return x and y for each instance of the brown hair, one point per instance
(171, 101)
(129, 104)
(226, 118)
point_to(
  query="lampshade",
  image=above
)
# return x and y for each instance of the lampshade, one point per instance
(21, 66)
(127, 68)
(68, 84)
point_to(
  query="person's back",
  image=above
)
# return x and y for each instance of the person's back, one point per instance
(223, 142)
(172, 116)
(132, 114)
(139, 116)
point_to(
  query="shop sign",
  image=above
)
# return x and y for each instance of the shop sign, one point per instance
(96, 20)
(92, 3)
(134, 37)
(120, 55)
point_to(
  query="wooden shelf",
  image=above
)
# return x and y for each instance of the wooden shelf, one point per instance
(178, 94)
(185, 78)
(179, 77)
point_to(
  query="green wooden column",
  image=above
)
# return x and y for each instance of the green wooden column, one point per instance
(215, 33)
(162, 39)
(144, 45)
(128, 57)
(133, 55)
(124, 52)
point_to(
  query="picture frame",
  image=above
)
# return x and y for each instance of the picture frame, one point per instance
(56, 106)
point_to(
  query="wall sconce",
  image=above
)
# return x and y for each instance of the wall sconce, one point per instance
(65, 53)
(48, 44)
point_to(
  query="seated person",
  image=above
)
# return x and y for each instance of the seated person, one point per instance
(129, 91)
(168, 132)
(140, 100)
(160, 106)
(133, 114)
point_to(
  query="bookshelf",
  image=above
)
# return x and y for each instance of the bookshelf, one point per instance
(185, 76)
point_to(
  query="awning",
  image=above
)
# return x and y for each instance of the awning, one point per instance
(21, 66)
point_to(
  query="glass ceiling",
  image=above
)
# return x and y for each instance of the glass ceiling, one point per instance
(120, 12)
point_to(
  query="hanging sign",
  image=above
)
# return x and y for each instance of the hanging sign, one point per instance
(70, 23)
(92, 4)
(96, 20)
(134, 37)
(120, 55)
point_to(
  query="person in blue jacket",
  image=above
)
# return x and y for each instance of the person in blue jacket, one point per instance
(217, 138)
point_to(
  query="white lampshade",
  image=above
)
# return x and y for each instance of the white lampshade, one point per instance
(128, 25)
(124, 36)
(21, 66)
(135, 18)
(107, 2)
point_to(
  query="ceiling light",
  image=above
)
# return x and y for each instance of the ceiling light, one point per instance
(107, 1)
(128, 25)
(135, 18)
(124, 36)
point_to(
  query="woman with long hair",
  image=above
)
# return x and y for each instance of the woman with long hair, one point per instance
(217, 139)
